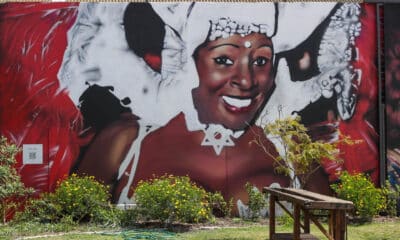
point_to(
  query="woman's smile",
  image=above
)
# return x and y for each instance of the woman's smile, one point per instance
(237, 102)
(236, 105)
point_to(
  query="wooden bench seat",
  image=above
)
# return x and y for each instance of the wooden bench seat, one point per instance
(305, 202)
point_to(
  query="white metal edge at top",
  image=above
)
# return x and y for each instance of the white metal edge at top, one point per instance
(244, 1)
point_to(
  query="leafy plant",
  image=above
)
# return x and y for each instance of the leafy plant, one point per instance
(12, 190)
(257, 201)
(285, 220)
(81, 199)
(301, 156)
(219, 206)
(108, 215)
(358, 188)
(392, 194)
(172, 198)
(128, 217)
(44, 210)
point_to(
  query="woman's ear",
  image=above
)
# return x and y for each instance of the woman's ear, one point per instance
(144, 30)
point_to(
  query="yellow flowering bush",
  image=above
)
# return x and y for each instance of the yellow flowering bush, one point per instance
(358, 188)
(172, 198)
(81, 199)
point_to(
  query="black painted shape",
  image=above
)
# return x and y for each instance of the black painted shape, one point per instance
(99, 106)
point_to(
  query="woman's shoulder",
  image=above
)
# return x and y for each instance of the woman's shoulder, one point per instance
(125, 127)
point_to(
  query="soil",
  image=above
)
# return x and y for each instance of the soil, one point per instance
(386, 219)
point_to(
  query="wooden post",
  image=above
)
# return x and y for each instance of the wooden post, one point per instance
(296, 228)
(306, 221)
(340, 223)
(272, 200)
(331, 222)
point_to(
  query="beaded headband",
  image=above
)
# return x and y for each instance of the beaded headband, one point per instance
(225, 27)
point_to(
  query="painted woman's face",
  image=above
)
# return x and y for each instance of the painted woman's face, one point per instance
(235, 79)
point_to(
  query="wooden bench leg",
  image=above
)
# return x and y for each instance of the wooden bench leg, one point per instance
(306, 221)
(331, 222)
(272, 200)
(296, 227)
(340, 225)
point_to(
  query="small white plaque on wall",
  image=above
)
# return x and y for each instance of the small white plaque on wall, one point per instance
(32, 153)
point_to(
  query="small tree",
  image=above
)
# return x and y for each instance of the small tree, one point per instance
(11, 187)
(300, 157)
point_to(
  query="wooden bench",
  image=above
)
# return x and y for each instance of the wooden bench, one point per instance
(306, 202)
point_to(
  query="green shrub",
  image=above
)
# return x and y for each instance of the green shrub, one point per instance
(107, 215)
(128, 217)
(12, 191)
(170, 198)
(257, 201)
(44, 210)
(392, 194)
(219, 206)
(80, 199)
(358, 188)
(285, 220)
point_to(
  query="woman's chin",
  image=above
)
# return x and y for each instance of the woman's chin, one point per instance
(236, 126)
(234, 122)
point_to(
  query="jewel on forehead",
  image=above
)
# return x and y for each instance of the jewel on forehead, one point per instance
(247, 44)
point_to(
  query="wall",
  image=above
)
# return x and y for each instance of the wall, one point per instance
(126, 91)
(391, 43)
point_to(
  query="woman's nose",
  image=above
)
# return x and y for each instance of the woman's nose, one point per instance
(243, 78)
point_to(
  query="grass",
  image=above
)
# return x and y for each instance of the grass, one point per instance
(81, 237)
(377, 230)
(372, 231)
(253, 233)
(36, 229)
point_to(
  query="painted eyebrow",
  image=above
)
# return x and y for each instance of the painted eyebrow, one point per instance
(265, 45)
(224, 44)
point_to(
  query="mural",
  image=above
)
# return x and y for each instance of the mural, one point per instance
(392, 77)
(131, 90)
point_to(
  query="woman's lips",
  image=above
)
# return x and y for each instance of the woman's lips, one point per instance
(237, 104)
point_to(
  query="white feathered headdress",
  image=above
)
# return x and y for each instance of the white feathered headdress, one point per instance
(193, 21)
(287, 24)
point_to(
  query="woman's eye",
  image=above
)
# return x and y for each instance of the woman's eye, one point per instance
(223, 61)
(260, 61)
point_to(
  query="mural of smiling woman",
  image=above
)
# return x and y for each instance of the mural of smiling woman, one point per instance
(225, 75)
(180, 88)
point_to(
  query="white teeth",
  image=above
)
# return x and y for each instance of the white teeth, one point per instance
(239, 103)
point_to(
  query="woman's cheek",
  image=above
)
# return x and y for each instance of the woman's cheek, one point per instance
(264, 79)
(218, 79)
